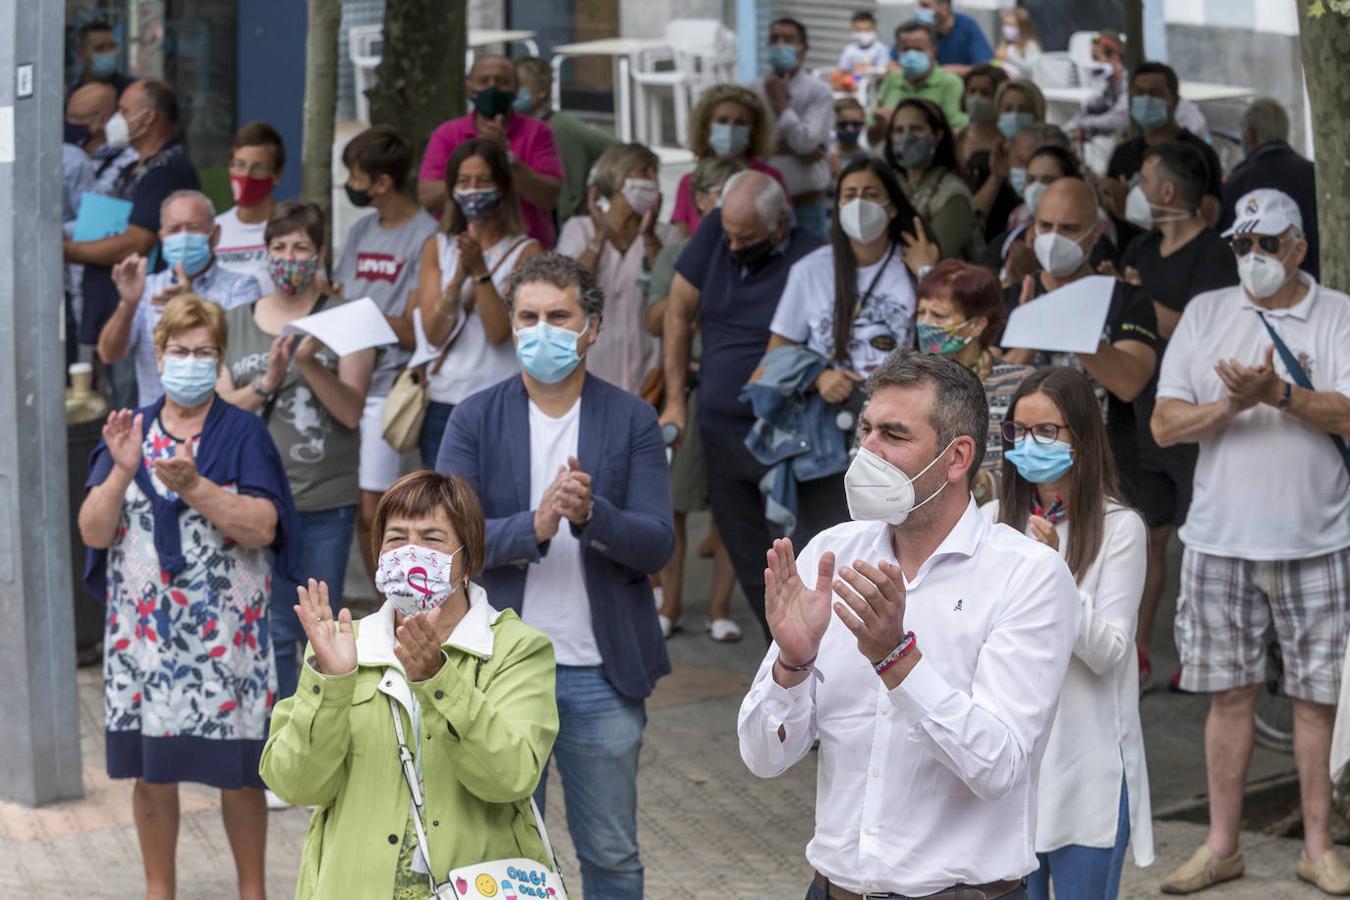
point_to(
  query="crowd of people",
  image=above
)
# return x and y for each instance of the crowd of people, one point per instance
(966, 540)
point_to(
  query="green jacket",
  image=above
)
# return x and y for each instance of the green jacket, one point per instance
(488, 720)
(579, 146)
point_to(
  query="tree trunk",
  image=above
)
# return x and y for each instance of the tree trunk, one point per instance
(321, 60)
(420, 80)
(1326, 58)
(1134, 33)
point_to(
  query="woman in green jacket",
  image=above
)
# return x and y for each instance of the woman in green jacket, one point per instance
(472, 685)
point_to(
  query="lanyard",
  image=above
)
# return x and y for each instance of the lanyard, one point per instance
(881, 270)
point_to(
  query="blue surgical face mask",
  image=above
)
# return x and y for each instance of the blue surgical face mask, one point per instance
(547, 352)
(188, 381)
(728, 140)
(193, 250)
(925, 16)
(1010, 124)
(1040, 463)
(103, 65)
(915, 63)
(1149, 113)
(782, 58)
(524, 101)
(1017, 180)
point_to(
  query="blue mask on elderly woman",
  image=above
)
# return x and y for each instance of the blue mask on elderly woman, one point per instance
(188, 381)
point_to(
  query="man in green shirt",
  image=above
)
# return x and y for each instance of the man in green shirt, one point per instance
(579, 144)
(919, 76)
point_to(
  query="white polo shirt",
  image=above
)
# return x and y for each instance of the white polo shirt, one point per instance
(932, 784)
(1269, 486)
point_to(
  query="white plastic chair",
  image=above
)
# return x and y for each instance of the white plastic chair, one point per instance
(697, 54)
(364, 45)
(1055, 70)
(1080, 45)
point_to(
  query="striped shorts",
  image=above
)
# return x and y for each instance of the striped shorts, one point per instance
(1228, 608)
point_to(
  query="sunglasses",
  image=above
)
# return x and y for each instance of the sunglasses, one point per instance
(1243, 245)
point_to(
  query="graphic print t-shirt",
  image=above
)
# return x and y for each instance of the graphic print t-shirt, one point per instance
(242, 249)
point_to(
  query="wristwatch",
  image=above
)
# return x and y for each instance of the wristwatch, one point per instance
(258, 388)
(482, 279)
(1283, 402)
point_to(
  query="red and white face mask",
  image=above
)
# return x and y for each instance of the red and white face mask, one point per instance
(416, 579)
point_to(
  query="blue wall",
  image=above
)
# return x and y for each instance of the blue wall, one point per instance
(270, 55)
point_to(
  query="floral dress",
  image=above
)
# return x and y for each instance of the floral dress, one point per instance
(189, 678)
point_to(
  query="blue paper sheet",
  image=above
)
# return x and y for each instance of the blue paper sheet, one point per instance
(101, 216)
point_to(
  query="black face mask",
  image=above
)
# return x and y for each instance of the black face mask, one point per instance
(848, 134)
(76, 134)
(360, 199)
(492, 102)
(754, 256)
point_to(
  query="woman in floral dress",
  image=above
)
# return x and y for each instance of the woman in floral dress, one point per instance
(188, 512)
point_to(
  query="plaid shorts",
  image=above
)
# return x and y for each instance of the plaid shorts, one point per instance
(1228, 606)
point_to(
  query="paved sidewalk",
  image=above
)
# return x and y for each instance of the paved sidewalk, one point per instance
(709, 829)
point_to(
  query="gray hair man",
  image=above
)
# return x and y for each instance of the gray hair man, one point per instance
(1272, 163)
(728, 281)
(941, 709)
(1258, 375)
(188, 234)
(572, 475)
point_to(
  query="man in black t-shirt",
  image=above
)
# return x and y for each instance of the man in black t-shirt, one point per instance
(1177, 257)
(149, 114)
(1154, 93)
(1127, 357)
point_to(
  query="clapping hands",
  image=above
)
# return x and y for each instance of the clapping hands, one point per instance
(568, 497)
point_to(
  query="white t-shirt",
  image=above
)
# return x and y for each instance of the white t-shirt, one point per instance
(1269, 486)
(555, 599)
(242, 248)
(473, 364)
(805, 312)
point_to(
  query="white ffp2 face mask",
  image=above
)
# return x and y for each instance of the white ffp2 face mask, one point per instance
(863, 220)
(416, 579)
(1261, 275)
(1058, 255)
(879, 492)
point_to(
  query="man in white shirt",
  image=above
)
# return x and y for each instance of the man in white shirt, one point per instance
(1259, 376)
(257, 162)
(572, 474)
(804, 108)
(932, 678)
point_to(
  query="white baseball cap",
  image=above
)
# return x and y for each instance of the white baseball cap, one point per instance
(1265, 211)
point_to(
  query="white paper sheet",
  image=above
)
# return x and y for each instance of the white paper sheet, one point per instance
(347, 328)
(1070, 319)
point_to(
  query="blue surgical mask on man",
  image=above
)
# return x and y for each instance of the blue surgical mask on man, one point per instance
(547, 352)
(103, 65)
(191, 249)
(925, 16)
(188, 381)
(915, 63)
(1040, 463)
(782, 58)
(1149, 113)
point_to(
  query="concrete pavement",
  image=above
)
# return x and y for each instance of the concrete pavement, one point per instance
(708, 828)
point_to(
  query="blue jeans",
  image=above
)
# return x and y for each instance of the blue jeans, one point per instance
(597, 755)
(1089, 873)
(814, 219)
(433, 428)
(326, 536)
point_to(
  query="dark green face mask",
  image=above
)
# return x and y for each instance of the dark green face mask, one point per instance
(492, 102)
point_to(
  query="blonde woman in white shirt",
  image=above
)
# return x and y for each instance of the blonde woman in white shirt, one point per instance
(463, 279)
(1059, 486)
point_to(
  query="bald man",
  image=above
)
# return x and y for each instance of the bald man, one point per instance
(728, 281)
(1067, 225)
(536, 168)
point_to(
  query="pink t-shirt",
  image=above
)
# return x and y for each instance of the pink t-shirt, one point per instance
(529, 139)
(685, 211)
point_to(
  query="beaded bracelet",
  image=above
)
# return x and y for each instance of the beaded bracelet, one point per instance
(899, 653)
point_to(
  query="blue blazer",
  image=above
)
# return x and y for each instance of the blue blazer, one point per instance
(631, 533)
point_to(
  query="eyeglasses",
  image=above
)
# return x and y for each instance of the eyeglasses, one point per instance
(178, 351)
(1243, 245)
(1041, 433)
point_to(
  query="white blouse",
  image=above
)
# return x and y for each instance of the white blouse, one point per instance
(1097, 737)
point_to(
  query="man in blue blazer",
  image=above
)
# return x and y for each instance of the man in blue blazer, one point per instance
(572, 474)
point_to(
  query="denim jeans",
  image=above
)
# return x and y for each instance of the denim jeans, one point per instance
(326, 536)
(433, 429)
(816, 892)
(597, 755)
(814, 219)
(1089, 873)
